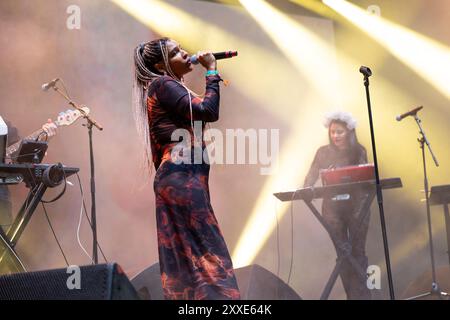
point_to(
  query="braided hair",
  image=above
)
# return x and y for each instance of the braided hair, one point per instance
(146, 55)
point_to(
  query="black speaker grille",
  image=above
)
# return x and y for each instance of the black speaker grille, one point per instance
(98, 282)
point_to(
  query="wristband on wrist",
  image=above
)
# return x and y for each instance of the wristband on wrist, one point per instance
(211, 73)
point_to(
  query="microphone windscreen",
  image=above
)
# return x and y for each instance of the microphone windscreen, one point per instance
(194, 59)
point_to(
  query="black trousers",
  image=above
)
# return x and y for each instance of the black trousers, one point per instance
(341, 216)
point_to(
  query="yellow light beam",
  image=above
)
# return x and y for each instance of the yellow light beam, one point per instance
(261, 223)
(293, 163)
(317, 7)
(253, 60)
(308, 55)
(316, 60)
(428, 58)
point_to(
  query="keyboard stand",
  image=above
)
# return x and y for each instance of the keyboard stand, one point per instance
(344, 249)
(23, 217)
(440, 195)
(32, 175)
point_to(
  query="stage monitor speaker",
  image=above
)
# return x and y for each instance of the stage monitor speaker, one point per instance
(148, 283)
(254, 281)
(93, 282)
(258, 283)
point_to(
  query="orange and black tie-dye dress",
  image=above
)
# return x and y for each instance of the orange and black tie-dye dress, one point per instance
(194, 259)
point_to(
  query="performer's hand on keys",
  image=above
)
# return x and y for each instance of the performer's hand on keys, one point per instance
(207, 60)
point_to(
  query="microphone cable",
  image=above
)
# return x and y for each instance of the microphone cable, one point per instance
(89, 221)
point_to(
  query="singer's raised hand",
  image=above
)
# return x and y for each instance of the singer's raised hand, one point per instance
(207, 60)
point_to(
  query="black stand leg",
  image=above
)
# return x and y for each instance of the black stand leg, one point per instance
(25, 213)
(8, 262)
(447, 227)
(435, 290)
(90, 123)
(23, 217)
(93, 207)
(367, 73)
(430, 232)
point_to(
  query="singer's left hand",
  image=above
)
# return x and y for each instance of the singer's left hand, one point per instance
(50, 128)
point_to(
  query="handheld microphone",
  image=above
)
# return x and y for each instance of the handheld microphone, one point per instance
(409, 113)
(49, 85)
(217, 55)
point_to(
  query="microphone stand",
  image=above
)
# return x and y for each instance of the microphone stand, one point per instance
(90, 123)
(435, 289)
(367, 73)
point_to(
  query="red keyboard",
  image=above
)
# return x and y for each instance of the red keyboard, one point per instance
(358, 173)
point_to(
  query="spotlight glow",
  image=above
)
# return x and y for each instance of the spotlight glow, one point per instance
(190, 31)
(293, 164)
(316, 61)
(428, 58)
(311, 56)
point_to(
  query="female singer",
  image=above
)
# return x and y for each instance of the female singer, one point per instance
(193, 256)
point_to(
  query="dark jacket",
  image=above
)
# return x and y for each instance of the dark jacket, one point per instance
(328, 157)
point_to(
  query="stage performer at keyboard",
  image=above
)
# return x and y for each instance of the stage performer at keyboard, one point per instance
(50, 130)
(194, 259)
(342, 150)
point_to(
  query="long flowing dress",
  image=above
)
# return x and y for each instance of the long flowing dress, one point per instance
(194, 259)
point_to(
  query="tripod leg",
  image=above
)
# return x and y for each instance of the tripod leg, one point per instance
(427, 202)
(423, 295)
